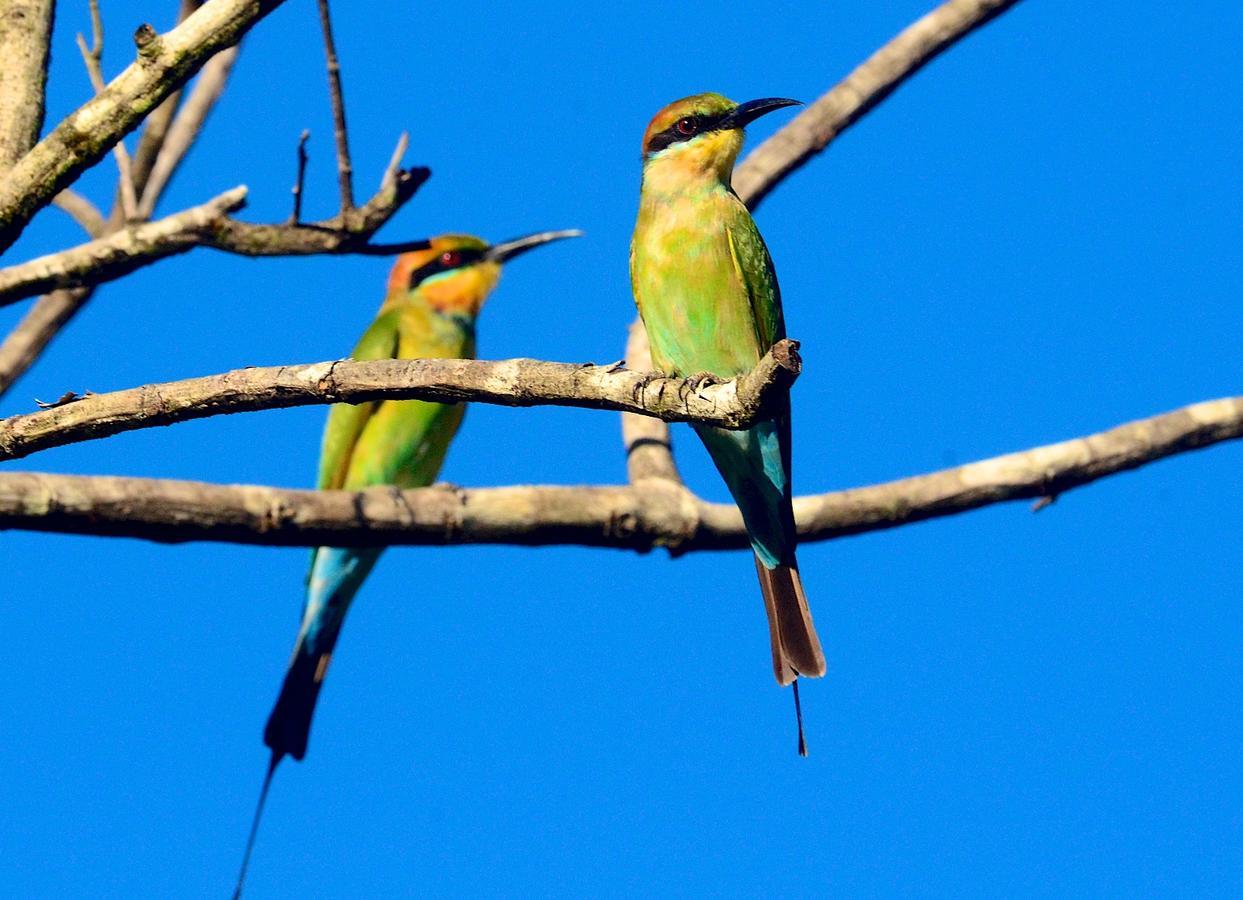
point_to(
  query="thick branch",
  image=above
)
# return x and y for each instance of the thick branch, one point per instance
(25, 34)
(164, 63)
(619, 517)
(120, 253)
(649, 449)
(514, 382)
(816, 127)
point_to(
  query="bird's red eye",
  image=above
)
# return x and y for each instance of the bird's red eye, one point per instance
(686, 126)
(450, 259)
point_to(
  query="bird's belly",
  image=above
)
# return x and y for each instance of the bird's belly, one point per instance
(694, 305)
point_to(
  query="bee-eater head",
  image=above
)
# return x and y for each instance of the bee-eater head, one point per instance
(455, 273)
(700, 136)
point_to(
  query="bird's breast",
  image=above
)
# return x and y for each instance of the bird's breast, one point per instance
(687, 286)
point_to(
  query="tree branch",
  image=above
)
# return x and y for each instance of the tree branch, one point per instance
(345, 169)
(619, 517)
(515, 382)
(25, 35)
(54, 311)
(816, 127)
(120, 252)
(208, 225)
(164, 63)
(23, 345)
(649, 449)
(82, 211)
(93, 58)
(185, 127)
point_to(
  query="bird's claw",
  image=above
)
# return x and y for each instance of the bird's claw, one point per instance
(693, 383)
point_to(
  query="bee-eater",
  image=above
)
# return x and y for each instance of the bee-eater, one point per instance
(706, 290)
(434, 296)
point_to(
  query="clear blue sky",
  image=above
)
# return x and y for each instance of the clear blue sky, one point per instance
(1036, 238)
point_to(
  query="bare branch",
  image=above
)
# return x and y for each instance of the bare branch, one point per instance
(649, 449)
(93, 58)
(187, 125)
(300, 182)
(164, 63)
(121, 252)
(155, 128)
(83, 211)
(514, 382)
(54, 311)
(815, 128)
(618, 517)
(345, 171)
(22, 346)
(25, 35)
(208, 225)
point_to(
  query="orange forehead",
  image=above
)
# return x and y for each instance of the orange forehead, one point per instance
(399, 277)
(695, 105)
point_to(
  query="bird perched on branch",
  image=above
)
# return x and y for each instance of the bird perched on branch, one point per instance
(706, 290)
(434, 296)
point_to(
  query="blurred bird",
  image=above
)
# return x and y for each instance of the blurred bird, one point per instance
(434, 296)
(706, 290)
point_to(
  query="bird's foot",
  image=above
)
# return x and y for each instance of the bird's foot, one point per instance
(692, 384)
(642, 380)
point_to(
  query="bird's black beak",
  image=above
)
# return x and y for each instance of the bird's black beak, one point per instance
(748, 112)
(507, 250)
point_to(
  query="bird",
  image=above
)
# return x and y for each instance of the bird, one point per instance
(707, 293)
(434, 296)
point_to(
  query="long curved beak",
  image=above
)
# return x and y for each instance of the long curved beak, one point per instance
(748, 112)
(507, 250)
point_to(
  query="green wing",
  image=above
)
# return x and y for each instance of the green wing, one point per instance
(346, 421)
(755, 270)
(404, 443)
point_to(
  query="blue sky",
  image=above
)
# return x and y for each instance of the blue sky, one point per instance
(1036, 238)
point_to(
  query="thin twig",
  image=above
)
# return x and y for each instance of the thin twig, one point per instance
(345, 171)
(155, 128)
(24, 344)
(83, 211)
(296, 216)
(93, 57)
(186, 126)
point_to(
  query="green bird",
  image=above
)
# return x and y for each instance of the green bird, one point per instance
(434, 296)
(706, 290)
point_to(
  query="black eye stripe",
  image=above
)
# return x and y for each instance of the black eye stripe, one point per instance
(466, 258)
(672, 135)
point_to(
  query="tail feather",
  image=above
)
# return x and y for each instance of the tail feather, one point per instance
(336, 575)
(289, 725)
(796, 647)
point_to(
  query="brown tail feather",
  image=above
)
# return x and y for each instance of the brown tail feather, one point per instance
(796, 648)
